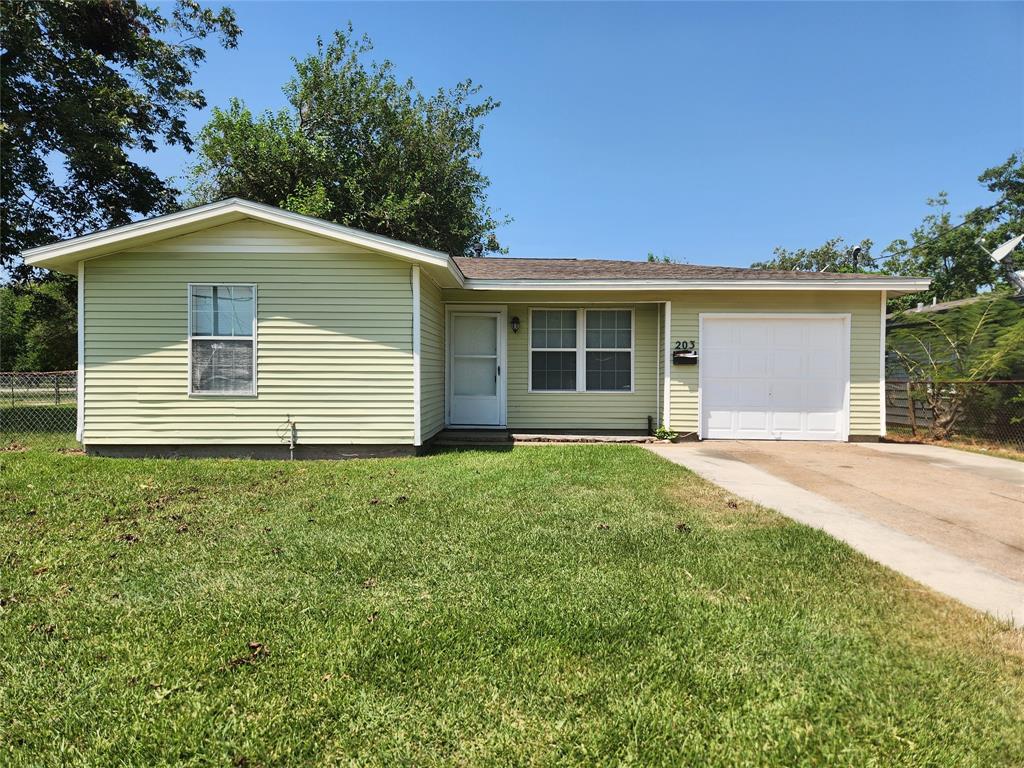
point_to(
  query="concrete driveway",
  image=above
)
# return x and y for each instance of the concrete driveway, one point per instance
(950, 519)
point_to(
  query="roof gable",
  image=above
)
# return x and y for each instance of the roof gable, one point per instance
(65, 255)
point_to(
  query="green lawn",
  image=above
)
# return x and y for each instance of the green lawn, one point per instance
(546, 605)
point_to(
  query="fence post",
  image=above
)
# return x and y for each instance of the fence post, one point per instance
(56, 389)
(912, 410)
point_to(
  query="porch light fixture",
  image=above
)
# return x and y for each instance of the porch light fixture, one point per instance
(515, 325)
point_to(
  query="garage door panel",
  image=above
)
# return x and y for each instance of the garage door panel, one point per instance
(753, 362)
(752, 393)
(786, 362)
(786, 395)
(785, 333)
(719, 420)
(719, 336)
(786, 421)
(824, 365)
(822, 421)
(819, 335)
(721, 391)
(775, 378)
(756, 421)
(752, 334)
(822, 396)
(720, 364)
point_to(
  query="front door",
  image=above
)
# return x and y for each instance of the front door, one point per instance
(476, 387)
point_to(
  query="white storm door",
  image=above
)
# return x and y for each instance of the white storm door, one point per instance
(774, 378)
(476, 369)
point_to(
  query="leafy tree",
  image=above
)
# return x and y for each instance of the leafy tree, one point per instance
(37, 326)
(833, 256)
(946, 253)
(938, 248)
(949, 254)
(82, 86)
(663, 259)
(359, 147)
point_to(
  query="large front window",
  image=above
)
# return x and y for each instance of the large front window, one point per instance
(575, 350)
(222, 339)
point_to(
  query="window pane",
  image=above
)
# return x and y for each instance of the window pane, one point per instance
(222, 310)
(475, 335)
(609, 329)
(222, 366)
(554, 370)
(475, 376)
(232, 310)
(202, 310)
(554, 329)
(608, 371)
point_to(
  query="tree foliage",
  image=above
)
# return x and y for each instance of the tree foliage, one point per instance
(949, 254)
(37, 325)
(83, 85)
(938, 248)
(359, 147)
(832, 256)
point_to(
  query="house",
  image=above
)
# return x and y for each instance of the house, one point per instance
(238, 327)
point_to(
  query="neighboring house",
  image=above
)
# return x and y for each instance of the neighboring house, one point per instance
(220, 327)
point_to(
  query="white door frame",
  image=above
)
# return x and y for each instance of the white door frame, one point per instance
(501, 312)
(846, 317)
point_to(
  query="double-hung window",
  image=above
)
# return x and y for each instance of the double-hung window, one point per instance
(222, 339)
(609, 344)
(553, 350)
(577, 350)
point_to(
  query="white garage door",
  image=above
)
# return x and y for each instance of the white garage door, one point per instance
(779, 377)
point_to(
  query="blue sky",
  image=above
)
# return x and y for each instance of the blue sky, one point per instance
(707, 132)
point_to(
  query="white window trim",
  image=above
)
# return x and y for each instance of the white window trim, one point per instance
(255, 331)
(581, 350)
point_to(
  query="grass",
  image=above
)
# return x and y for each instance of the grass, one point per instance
(546, 605)
(1002, 450)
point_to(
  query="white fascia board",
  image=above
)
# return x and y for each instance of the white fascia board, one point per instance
(64, 254)
(891, 285)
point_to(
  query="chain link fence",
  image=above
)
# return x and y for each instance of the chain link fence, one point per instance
(38, 402)
(985, 413)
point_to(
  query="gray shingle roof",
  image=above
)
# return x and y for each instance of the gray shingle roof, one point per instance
(491, 268)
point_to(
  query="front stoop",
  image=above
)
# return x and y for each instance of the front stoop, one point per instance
(472, 437)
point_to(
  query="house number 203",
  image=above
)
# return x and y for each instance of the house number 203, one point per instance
(687, 346)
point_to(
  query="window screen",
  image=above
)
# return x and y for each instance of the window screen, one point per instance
(222, 345)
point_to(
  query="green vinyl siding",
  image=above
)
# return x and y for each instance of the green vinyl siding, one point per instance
(432, 325)
(865, 339)
(583, 410)
(334, 342)
(580, 411)
(615, 411)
